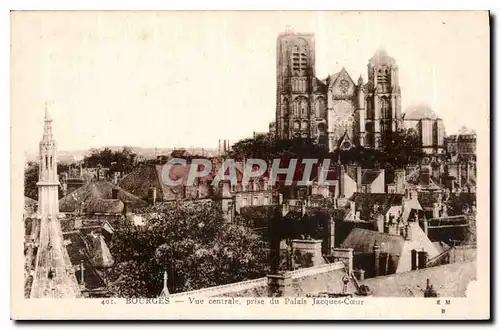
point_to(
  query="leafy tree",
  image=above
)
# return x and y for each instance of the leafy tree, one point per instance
(264, 147)
(402, 148)
(123, 160)
(31, 178)
(192, 243)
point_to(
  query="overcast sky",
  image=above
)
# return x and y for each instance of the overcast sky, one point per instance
(187, 79)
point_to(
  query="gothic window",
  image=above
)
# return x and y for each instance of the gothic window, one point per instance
(46, 162)
(320, 107)
(385, 108)
(296, 125)
(305, 125)
(369, 108)
(299, 58)
(50, 161)
(303, 107)
(296, 107)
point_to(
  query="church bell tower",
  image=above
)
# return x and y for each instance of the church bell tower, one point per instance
(295, 56)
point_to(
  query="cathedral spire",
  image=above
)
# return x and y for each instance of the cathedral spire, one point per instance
(47, 128)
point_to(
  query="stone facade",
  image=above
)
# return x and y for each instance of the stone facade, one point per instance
(335, 111)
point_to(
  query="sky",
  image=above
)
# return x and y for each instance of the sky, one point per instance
(188, 79)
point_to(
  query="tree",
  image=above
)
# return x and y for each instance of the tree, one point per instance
(122, 161)
(192, 243)
(31, 178)
(402, 148)
(264, 147)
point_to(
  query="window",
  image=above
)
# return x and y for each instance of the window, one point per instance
(300, 58)
(303, 107)
(385, 108)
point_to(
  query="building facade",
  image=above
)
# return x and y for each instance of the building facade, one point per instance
(336, 111)
(424, 122)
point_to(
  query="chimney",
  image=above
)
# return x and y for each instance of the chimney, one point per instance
(309, 252)
(380, 223)
(114, 193)
(358, 178)
(435, 210)
(154, 195)
(459, 174)
(274, 241)
(352, 206)
(342, 181)
(422, 259)
(376, 259)
(413, 194)
(329, 241)
(413, 259)
(360, 274)
(429, 290)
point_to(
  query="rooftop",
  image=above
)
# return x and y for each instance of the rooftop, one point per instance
(448, 280)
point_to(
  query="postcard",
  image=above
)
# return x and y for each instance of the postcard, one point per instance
(317, 165)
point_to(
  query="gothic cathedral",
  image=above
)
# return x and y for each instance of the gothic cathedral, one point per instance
(336, 111)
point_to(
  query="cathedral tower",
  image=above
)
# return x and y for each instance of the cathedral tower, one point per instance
(54, 275)
(383, 98)
(295, 77)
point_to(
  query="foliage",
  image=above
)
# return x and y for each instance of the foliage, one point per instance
(189, 241)
(402, 148)
(264, 147)
(398, 149)
(31, 178)
(123, 160)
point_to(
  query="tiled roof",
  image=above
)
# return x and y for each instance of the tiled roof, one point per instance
(141, 180)
(363, 240)
(179, 153)
(80, 248)
(366, 203)
(368, 176)
(96, 198)
(448, 280)
(381, 57)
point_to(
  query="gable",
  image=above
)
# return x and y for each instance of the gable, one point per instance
(341, 85)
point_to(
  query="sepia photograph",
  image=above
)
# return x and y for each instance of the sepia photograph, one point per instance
(250, 165)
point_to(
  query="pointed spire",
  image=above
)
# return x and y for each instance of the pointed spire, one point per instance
(47, 128)
(164, 292)
(47, 115)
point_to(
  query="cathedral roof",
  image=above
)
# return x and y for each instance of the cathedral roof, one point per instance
(420, 111)
(381, 57)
